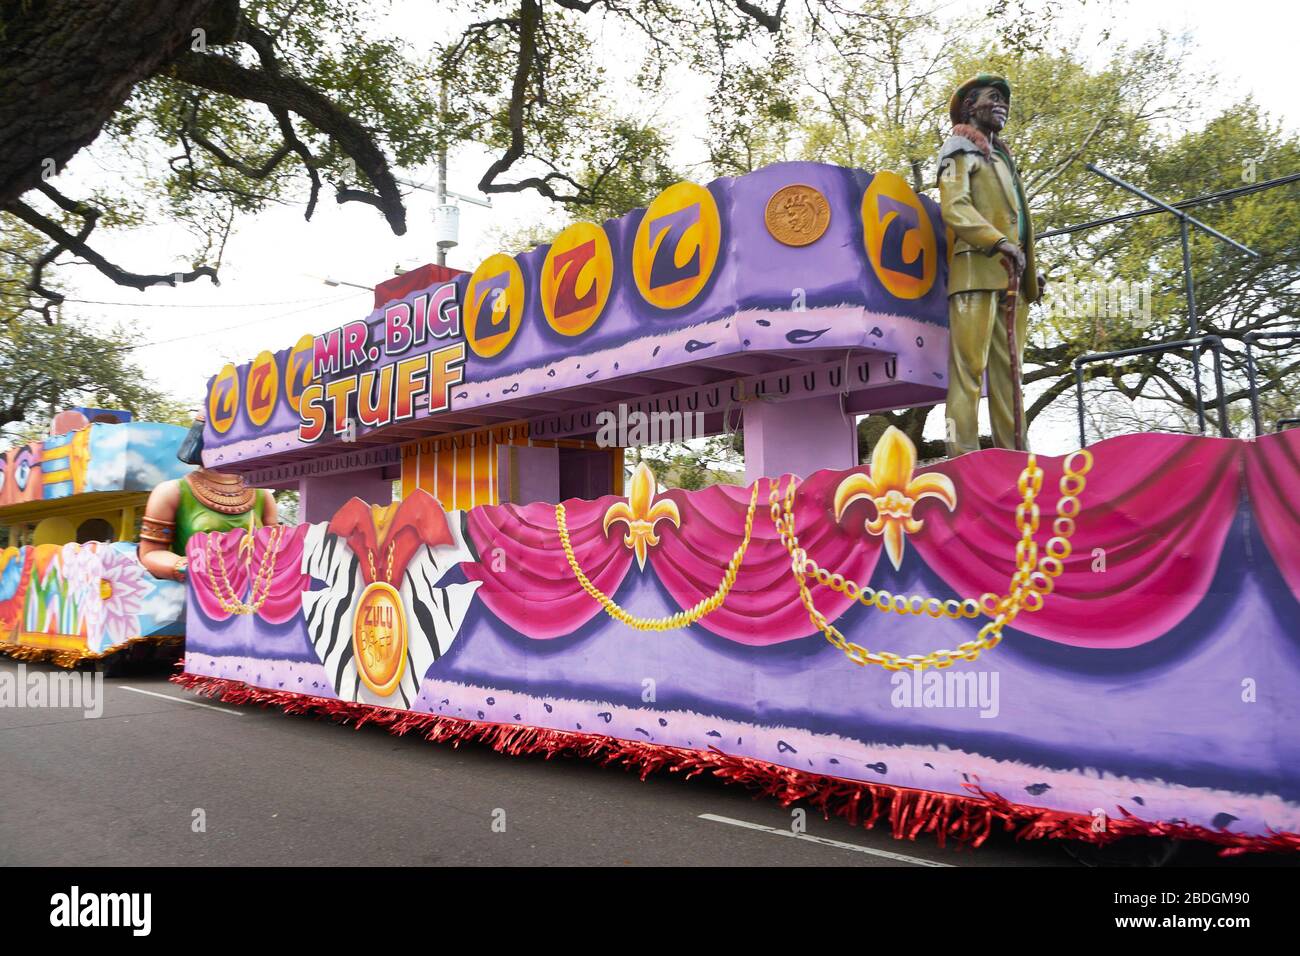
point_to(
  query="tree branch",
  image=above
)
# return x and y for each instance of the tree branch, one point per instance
(77, 245)
(288, 94)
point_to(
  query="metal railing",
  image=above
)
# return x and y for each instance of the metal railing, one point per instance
(1250, 338)
(1212, 342)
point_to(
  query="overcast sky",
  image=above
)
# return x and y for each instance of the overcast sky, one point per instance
(273, 274)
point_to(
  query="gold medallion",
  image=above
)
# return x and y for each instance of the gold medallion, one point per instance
(797, 215)
(379, 638)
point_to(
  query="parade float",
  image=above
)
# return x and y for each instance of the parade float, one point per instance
(71, 586)
(1092, 646)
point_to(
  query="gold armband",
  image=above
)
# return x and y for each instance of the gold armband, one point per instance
(158, 530)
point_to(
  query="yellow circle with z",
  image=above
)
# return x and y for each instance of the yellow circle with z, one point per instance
(494, 305)
(223, 399)
(899, 237)
(262, 388)
(298, 370)
(576, 278)
(677, 245)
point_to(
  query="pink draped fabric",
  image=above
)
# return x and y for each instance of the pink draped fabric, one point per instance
(528, 584)
(527, 581)
(1156, 511)
(1273, 481)
(287, 583)
(1155, 514)
(763, 606)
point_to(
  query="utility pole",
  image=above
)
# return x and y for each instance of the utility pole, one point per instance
(442, 161)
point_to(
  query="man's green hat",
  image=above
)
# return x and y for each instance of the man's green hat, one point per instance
(984, 79)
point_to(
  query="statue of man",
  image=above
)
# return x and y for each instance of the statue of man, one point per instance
(984, 205)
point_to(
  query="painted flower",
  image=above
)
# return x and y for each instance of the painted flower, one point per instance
(122, 589)
(894, 491)
(641, 513)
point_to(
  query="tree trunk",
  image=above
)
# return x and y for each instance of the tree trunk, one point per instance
(67, 65)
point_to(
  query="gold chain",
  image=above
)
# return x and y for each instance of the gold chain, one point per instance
(228, 599)
(681, 618)
(1034, 577)
(388, 576)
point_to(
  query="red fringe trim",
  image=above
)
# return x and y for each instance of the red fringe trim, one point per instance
(967, 820)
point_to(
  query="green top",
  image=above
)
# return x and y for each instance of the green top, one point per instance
(193, 516)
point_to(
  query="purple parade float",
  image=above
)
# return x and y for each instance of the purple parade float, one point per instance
(1089, 647)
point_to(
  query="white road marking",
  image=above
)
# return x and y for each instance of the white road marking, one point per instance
(182, 700)
(839, 844)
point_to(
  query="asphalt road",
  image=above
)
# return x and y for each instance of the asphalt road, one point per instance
(127, 788)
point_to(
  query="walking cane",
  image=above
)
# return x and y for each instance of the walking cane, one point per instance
(1017, 399)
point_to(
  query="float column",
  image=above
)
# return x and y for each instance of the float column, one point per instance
(798, 437)
(320, 497)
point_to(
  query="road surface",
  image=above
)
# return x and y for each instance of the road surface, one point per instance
(167, 777)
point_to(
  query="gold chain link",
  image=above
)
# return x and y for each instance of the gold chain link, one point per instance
(388, 575)
(228, 599)
(681, 618)
(1034, 577)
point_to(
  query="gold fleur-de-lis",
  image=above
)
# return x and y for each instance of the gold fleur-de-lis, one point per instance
(641, 513)
(891, 487)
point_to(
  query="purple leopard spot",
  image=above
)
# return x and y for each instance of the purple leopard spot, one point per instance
(551, 373)
(746, 341)
(1037, 789)
(548, 707)
(606, 716)
(644, 732)
(517, 717)
(804, 336)
(713, 733)
(879, 768)
(763, 322)
(1222, 821)
(491, 701)
(591, 375)
(784, 748)
(930, 765)
(462, 394)
(480, 715)
(920, 342)
(695, 345)
(876, 332)
(579, 726)
(662, 722)
(834, 760)
(1139, 801)
(656, 351)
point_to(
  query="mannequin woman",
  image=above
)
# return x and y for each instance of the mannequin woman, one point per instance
(203, 500)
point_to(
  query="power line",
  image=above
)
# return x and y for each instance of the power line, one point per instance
(210, 305)
(261, 320)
